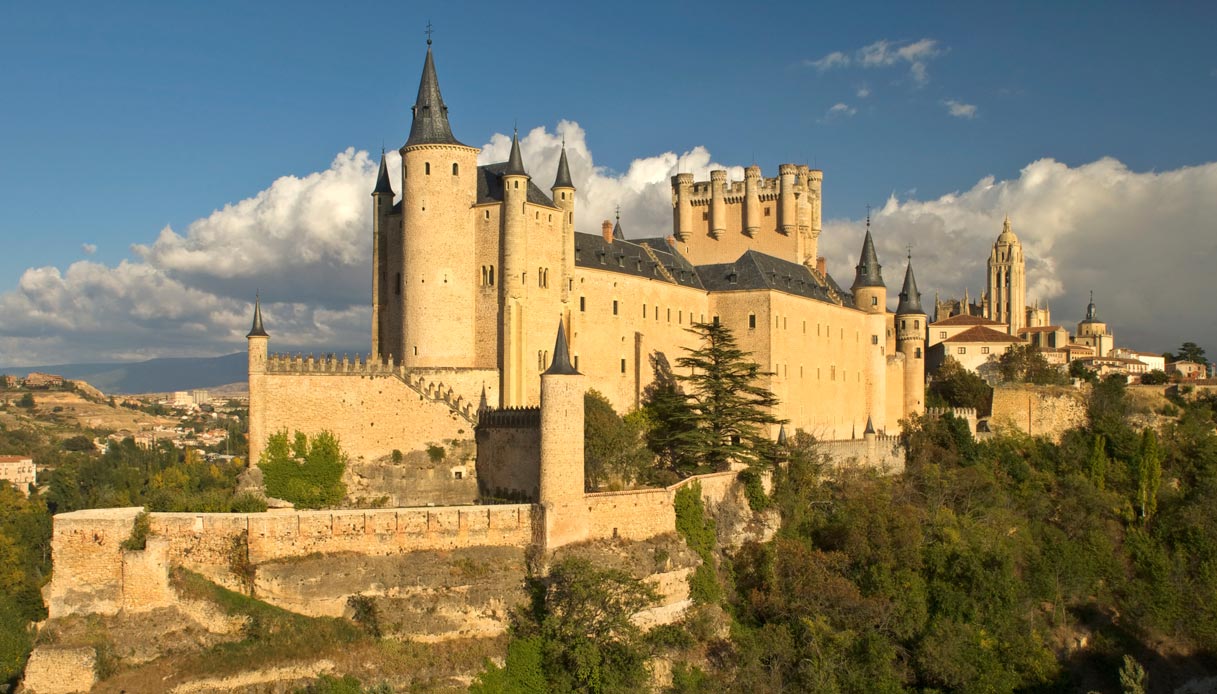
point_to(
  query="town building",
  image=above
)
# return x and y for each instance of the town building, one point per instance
(19, 471)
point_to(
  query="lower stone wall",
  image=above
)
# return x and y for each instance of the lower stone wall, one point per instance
(1039, 410)
(94, 575)
(884, 454)
(508, 454)
(641, 514)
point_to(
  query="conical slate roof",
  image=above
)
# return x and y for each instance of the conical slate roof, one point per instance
(782, 435)
(868, 268)
(561, 366)
(870, 426)
(562, 180)
(430, 126)
(910, 298)
(515, 162)
(382, 178)
(257, 330)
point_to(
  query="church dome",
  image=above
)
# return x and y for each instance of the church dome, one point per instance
(1007, 234)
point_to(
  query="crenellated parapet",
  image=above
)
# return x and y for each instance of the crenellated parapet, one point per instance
(510, 417)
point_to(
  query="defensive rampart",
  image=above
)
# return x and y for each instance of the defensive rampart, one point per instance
(882, 453)
(1038, 410)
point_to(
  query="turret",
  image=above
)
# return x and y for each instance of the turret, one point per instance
(512, 289)
(752, 200)
(382, 207)
(910, 340)
(257, 342)
(815, 180)
(682, 206)
(870, 294)
(718, 203)
(788, 216)
(563, 191)
(439, 189)
(562, 482)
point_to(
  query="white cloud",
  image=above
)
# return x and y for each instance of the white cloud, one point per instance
(885, 53)
(1141, 240)
(959, 109)
(839, 110)
(88, 248)
(863, 92)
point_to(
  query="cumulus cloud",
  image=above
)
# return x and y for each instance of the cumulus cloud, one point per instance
(885, 53)
(863, 92)
(1140, 240)
(959, 109)
(88, 248)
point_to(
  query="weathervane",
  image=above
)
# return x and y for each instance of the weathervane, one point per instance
(428, 32)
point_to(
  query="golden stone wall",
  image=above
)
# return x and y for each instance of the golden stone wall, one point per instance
(1038, 410)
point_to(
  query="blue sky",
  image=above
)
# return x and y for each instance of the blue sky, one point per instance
(119, 120)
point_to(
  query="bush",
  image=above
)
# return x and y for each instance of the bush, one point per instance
(366, 613)
(26, 401)
(308, 473)
(700, 534)
(435, 453)
(140, 530)
(16, 640)
(753, 489)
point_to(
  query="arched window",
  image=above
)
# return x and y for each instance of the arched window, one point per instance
(455, 169)
(427, 168)
(916, 325)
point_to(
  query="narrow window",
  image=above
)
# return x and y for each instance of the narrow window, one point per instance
(623, 366)
(767, 210)
(576, 362)
(984, 350)
(916, 325)
(398, 284)
(614, 307)
(487, 214)
(752, 321)
(716, 320)
(492, 275)
(403, 170)
(427, 168)
(917, 353)
(874, 339)
(583, 303)
(903, 325)
(874, 301)
(669, 315)
(644, 310)
(516, 185)
(455, 169)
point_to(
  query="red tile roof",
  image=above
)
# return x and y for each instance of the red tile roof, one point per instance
(983, 334)
(15, 458)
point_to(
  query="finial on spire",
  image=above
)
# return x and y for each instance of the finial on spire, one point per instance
(257, 330)
(561, 366)
(428, 32)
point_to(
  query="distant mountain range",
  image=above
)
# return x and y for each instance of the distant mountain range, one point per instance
(152, 376)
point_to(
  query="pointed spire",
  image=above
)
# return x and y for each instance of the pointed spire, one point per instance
(868, 268)
(382, 178)
(515, 163)
(870, 426)
(782, 435)
(910, 298)
(618, 234)
(562, 180)
(483, 405)
(257, 330)
(1092, 314)
(430, 126)
(561, 366)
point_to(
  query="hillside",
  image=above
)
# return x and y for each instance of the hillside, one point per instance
(152, 376)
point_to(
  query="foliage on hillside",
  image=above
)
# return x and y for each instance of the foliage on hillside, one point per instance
(25, 541)
(614, 452)
(955, 386)
(304, 471)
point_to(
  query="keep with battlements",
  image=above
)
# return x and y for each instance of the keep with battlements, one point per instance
(474, 265)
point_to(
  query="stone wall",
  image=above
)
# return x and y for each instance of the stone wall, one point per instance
(509, 454)
(641, 514)
(60, 671)
(884, 453)
(1038, 410)
(94, 575)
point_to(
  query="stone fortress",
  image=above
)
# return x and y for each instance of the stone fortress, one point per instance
(492, 317)
(475, 265)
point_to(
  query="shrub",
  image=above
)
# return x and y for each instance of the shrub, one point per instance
(753, 489)
(26, 401)
(435, 453)
(700, 534)
(366, 613)
(306, 472)
(140, 529)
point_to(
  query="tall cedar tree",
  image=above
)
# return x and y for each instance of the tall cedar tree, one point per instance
(669, 416)
(729, 404)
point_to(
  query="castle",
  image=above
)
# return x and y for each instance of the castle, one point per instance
(474, 265)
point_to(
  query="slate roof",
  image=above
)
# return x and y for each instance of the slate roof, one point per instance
(869, 271)
(910, 298)
(382, 178)
(561, 366)
(982, 334)
(515, 162)
(964, 320)
(1040, 329)
(628, 257)
(562, 180)
(756, 270)
(257, 330)
(490, 186)
(430, 125)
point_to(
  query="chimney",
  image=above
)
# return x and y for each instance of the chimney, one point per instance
(822, 266)
(607, 230)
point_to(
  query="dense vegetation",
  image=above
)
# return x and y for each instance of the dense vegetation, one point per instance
(305, 471)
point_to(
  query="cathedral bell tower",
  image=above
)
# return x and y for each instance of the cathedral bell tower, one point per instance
(1007, 281)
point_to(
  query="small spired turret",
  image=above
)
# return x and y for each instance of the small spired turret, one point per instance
(561, 474)
(383, 186)
(870, 293)
(515, 162)
(257, 330)
(257, 342)
(910, 341)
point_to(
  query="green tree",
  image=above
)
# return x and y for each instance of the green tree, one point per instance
(1148, 475)
(1156, 377)
(959, 387)
(1189, 351)
(306, 472)
(1078, 369)
(1026, 364)
(731, 405)
(1133, 679)
(614, 453)
(26, 401)
(1096, 464)
(670, 418)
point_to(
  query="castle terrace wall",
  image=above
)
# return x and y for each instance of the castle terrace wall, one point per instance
(94, 575)
(1038, 410)
(371, 414)
(640, 514)
(885, 455)
(508, 454)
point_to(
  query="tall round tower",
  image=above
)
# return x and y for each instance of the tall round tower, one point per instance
(439, 188)
(561, 474)
(258, 341)
(910, 340)
(870, 295)
(1008, 281)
